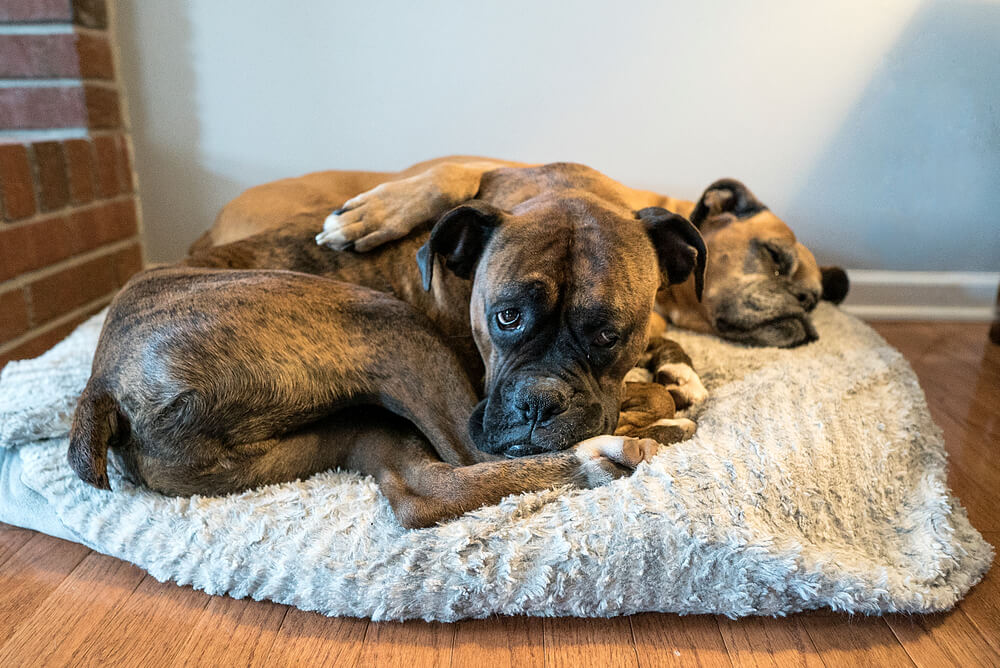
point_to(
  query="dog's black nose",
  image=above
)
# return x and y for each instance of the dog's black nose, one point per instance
(539, 401)
(807, 299)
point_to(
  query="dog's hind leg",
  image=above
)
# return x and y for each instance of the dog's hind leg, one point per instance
(202, 365)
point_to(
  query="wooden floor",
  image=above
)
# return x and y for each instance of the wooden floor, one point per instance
(62, 604)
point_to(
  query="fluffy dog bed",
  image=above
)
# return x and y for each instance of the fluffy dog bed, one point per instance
(816, 479)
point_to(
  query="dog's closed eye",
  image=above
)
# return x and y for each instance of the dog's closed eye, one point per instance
(781, 259)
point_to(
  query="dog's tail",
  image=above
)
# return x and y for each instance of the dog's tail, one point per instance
(95, 424)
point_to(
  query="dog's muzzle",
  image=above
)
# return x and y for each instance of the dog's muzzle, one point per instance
(532, 415)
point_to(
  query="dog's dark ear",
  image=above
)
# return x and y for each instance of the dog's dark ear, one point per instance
(459, 236)
(835, 284)
(726, 196)
(679, 246)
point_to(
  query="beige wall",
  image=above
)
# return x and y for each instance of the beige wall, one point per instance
(871, 126)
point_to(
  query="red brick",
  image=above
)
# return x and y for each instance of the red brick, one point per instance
(35, 10)
(36, 245)
(39, 56)
(126, 222)
(102, 107)
(17, 190)
(111, 222)
(86, 227)
(128, 262)
(94, 57)
(106, 166)
(43, 108)
(90, 13)
(90, 226)
(14, 322)
(14, 259)
(124, 165)
(52, 240)
(71, 288)
(38, 345)
(53, 184)
(100, 225)
(80, 163)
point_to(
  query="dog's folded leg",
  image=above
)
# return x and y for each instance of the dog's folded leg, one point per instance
(662, 383)
(393, 209)
(425, 382)
(648, 411)
(422, 490)
(670, 366)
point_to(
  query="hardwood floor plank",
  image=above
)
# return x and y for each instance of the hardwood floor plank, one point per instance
(310, 639)
(30, 574)
(982, 604)
(976, 484)
(768, 641)
(671, 640)
(982, 511)
(574, 643)
(913, 339)
(499, 642)
(72, 612)
(855, 641)
(232, 632)
(407, 644)
(947, 639)
(960, 374)
(12, 539)
(161, 614)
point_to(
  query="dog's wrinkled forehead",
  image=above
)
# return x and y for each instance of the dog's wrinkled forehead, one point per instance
(763, 226)
(571, 248)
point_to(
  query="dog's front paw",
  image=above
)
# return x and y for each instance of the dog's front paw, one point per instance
(683, 384)
(606, 458)
(371, 219)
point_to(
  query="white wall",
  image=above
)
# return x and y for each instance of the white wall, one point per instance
(873, 128)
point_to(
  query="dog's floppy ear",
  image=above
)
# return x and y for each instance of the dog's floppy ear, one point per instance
(679, 246)
(726, 196)
(835, 284)
(459, 236)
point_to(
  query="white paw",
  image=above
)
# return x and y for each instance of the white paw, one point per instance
(606, 458)
(683, 384)
(333, 235)
(369, 220)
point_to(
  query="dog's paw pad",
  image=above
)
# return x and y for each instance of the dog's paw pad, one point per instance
(683, 384)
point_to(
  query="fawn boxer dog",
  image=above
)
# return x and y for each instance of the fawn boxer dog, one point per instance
(507, 328)
(760, 286)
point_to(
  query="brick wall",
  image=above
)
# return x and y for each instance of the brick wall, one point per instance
(69, 210)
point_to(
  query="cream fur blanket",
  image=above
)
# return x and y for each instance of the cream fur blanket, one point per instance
(816, 479)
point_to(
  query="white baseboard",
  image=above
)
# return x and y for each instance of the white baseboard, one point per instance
(922, 295)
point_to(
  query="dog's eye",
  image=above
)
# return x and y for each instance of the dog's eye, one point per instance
(509, 318)
(782, 263)
(606, 338)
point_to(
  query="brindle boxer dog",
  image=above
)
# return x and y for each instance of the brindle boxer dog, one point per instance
(760, 286)
(506, 329)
